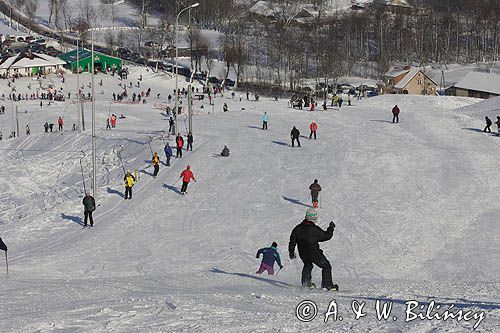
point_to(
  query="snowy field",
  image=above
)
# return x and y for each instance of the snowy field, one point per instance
(415, 204)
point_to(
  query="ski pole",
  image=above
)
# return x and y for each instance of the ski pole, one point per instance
(6, 263)
(279, 270)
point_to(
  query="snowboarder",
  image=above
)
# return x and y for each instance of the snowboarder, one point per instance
(306, 237)
(168, 153)
(189, 141)
(313, 127)
(488, 124)
(60, 123)
(395, 114)
(315, 189)
(269, 256)
(295, 134)
(129, 182)
(89, 206)
(225, 152)
(180, 143)
(265, 120)
(156, 164)
(186, 176)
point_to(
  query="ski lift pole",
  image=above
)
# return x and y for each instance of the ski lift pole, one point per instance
(119, 153)
(81, 168)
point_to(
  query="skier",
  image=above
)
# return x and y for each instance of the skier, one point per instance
(186, 176)
(89, 206)
(225, 152)
(315, 189)
(306, 236)
(498, 124)
(265, 120)
(189, 141)
(395, 114)
(269, 256)
(295, 134)
(180, 142)
(225, 107)
(488, 124)
(51, 127)
(156, 164)
(340, 101)
(108, 126)
(313, 127)
(46, 127)
(171, 125)
(129, 182)
(28, 131)
(168, 153)
(60, 123)
(113, 120)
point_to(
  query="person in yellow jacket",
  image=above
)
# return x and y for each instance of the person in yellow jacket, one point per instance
(129, 182)
(156, 164)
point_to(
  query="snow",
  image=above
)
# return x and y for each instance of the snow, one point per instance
(480, 82)
(415, 205)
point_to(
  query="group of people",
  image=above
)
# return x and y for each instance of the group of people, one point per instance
(487, 129)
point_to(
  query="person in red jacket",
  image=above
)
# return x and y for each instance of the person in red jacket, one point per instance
(395, 113)
(186, 176)
(60, 123)
(313, 127)
(179, 144)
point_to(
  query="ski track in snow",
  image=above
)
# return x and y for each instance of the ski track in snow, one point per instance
(415, 205)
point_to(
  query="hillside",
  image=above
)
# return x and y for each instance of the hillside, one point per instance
(415, 205)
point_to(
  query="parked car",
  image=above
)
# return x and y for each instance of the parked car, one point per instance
(229, 83)
(213, 79)
(151, 44)
(371, 94)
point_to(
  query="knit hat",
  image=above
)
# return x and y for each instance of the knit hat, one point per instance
(311, 215)
(274, 244)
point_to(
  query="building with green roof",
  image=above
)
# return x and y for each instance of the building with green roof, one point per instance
(83, 59)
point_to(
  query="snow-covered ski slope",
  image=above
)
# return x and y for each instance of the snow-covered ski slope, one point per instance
(415, 204)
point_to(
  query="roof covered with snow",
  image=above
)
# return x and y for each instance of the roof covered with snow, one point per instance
(480, 82)
(396, 71)
(28, 60)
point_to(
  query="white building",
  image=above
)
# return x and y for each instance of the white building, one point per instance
(28, 64)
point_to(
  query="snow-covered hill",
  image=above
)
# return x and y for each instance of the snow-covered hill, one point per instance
(415, 205)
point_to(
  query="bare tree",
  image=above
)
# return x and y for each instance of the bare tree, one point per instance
(31, 9)
(67, 14)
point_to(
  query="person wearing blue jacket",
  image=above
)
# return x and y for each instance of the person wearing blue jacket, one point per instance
(168, 153)
(270, 255)
(265, 120)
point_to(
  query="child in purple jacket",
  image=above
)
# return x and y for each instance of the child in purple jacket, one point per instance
(270, 255)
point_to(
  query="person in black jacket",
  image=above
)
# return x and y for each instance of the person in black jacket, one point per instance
(189, 141)
(315, 189)
(306, 236)
(488, 124)
(89, 206)
(295, 134)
